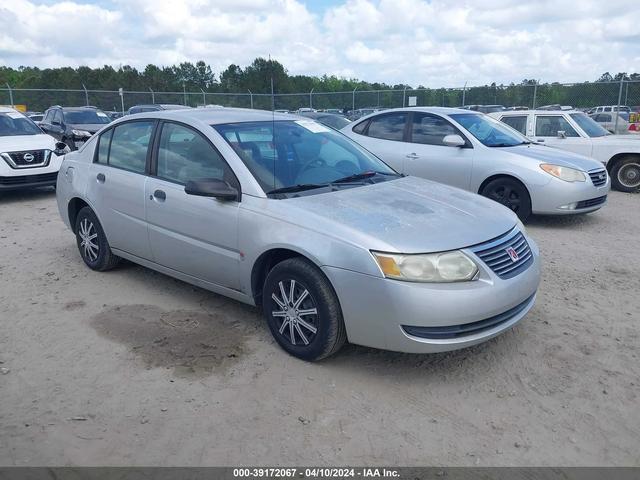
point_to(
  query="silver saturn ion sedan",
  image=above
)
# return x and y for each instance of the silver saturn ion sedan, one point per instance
(284, 213)
(475, 152)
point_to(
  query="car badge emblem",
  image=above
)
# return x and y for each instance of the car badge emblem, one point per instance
(602, 176)
(28, 157)
(512, 254)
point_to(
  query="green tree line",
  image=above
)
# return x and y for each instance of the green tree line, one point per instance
(257, 78)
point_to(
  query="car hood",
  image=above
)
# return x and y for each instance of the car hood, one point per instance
(407, 215)
(18, 143)
(89, 127)
(630, 140)
(544, 154)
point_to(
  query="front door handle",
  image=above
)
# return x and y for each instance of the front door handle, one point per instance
(540, 140)
(101, 178)
(160, 195)
(413, 156)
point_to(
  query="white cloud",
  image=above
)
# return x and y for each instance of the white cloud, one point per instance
(436, 43)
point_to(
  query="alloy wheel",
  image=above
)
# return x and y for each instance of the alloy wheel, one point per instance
(88, 240)
(507, 196)
(295, 311)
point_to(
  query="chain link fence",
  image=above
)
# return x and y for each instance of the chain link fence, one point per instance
(578, 95)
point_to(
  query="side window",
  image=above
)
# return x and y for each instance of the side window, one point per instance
(430, 129)
(185, 154)
(549, 126)
(57, 116)
(359, 128)
(48, 116)
(604, 117)
(388, 126)
(518, 123)
(103, 147)
(607, 109)
(129, 144)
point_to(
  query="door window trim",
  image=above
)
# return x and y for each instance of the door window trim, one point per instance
(409, 130)
(155, 148)
(365, 132)
(147, 164)
(575, 127)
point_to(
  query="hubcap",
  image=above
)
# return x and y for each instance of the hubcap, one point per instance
(629, 175)
(506, 196)
(297, 313)
(88, 242)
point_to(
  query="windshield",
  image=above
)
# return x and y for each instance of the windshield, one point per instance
(14, 123)
(302, 153)
(86, 117)
(489, 131)
(589, 125)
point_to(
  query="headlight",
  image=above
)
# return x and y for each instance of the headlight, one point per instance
(564, 173)
(81, 133)
(452, 266)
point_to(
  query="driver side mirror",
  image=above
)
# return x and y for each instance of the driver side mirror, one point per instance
(211, 187)
(454, 141)
(562, 134)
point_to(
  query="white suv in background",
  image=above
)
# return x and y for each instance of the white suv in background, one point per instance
(576, 132)
(29, 157)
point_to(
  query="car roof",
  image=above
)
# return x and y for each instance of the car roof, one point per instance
(440, 110)
(214, 116)
(542, 112)
(8, 110)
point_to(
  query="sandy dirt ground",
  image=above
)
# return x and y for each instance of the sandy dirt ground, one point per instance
(132, 367)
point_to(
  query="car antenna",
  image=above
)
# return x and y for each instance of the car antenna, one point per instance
(273, 123)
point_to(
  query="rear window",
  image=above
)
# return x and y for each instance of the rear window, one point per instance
(389, 126)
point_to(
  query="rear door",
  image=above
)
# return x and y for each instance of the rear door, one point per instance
(547, 128)
(384, 135)
(430, 158)
(196, 236)
(117, 186)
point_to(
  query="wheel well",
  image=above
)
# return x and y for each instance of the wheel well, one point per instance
(495, 177)
(263, 266)
(75, 205)
(616, 158)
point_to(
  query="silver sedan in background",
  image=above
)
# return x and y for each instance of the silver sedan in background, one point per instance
(292, 216)
(475, 152)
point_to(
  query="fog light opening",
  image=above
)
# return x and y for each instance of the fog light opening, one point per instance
(570, 206)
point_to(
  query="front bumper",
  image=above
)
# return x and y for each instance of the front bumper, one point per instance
(32, 177)
(552, 197)
(380, 312)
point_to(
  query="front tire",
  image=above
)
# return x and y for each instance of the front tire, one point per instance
(625, 175)
(510, 193)
(302, 310)
(92, 242)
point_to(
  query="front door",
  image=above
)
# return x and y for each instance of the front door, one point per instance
(196, 236)
(546, 131)
(430, 158)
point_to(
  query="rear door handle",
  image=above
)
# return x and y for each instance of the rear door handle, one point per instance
(540, 140)
(160, 195)
(101, 178)
(413, 156)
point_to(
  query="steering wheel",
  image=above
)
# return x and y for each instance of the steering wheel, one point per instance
(313, 163)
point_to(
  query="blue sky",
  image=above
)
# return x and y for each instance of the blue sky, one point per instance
(433, 43)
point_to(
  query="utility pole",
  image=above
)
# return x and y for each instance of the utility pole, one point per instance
(311, 98)
(10, 94)
(86, 95)
(153, 96)
(204, 98)
(184, 92)
(250, 97)
(615, 126)
(404, 95)
(464, 92)
(353, 100)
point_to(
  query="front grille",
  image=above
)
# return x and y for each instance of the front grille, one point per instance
(28, 158)
(496, 254)
(456, 331)
(598, 177)
(25, 179)
(592, 202)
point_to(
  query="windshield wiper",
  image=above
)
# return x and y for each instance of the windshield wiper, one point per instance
(297, 188)
(505, 144)
(361, 176)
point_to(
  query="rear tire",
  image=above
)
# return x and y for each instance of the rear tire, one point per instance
(625, 175)
(510, 193)
(92, 242)
(302, 310)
